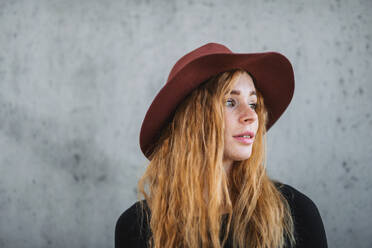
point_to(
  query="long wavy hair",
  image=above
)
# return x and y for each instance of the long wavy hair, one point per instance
(187, 187)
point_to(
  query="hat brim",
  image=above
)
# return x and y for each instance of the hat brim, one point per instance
(272, 74)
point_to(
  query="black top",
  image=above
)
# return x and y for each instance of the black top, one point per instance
(309, 229)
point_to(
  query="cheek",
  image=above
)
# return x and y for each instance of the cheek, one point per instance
(256, 122)
(228, 122)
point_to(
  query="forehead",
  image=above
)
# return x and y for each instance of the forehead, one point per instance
(243, 85)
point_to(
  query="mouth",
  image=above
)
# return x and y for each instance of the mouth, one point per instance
(246, 137)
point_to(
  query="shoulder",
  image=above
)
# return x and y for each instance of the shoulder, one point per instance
(296, 198)
(134, 211)
(308, 223)
(132, 228)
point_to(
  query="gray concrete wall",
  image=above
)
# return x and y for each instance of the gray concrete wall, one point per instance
(76, 78)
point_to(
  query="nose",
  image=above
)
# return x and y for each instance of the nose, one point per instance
(248, 115)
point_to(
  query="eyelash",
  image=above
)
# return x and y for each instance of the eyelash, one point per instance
(254, 104)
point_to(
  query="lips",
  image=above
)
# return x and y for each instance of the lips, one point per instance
(245, 138)
(248, 133)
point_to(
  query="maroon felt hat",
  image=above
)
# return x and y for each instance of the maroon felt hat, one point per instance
(271, 71)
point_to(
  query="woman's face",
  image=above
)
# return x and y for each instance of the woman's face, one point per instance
(241, 120)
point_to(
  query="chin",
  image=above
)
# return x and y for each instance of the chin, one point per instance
(244, 154)
(241, 156)
(238, 153)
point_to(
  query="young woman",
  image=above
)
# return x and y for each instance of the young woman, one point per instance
(206, 184)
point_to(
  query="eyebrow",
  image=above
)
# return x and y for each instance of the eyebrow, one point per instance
(237, 92)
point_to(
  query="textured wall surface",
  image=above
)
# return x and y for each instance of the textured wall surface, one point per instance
(76, 78)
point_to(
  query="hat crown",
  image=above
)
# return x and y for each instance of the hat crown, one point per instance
(207, 49)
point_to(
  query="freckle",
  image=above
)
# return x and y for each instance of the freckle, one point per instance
(341, 81)
(338, 120)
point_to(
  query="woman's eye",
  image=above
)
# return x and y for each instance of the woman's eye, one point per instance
(253, 106)
(230, 102)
